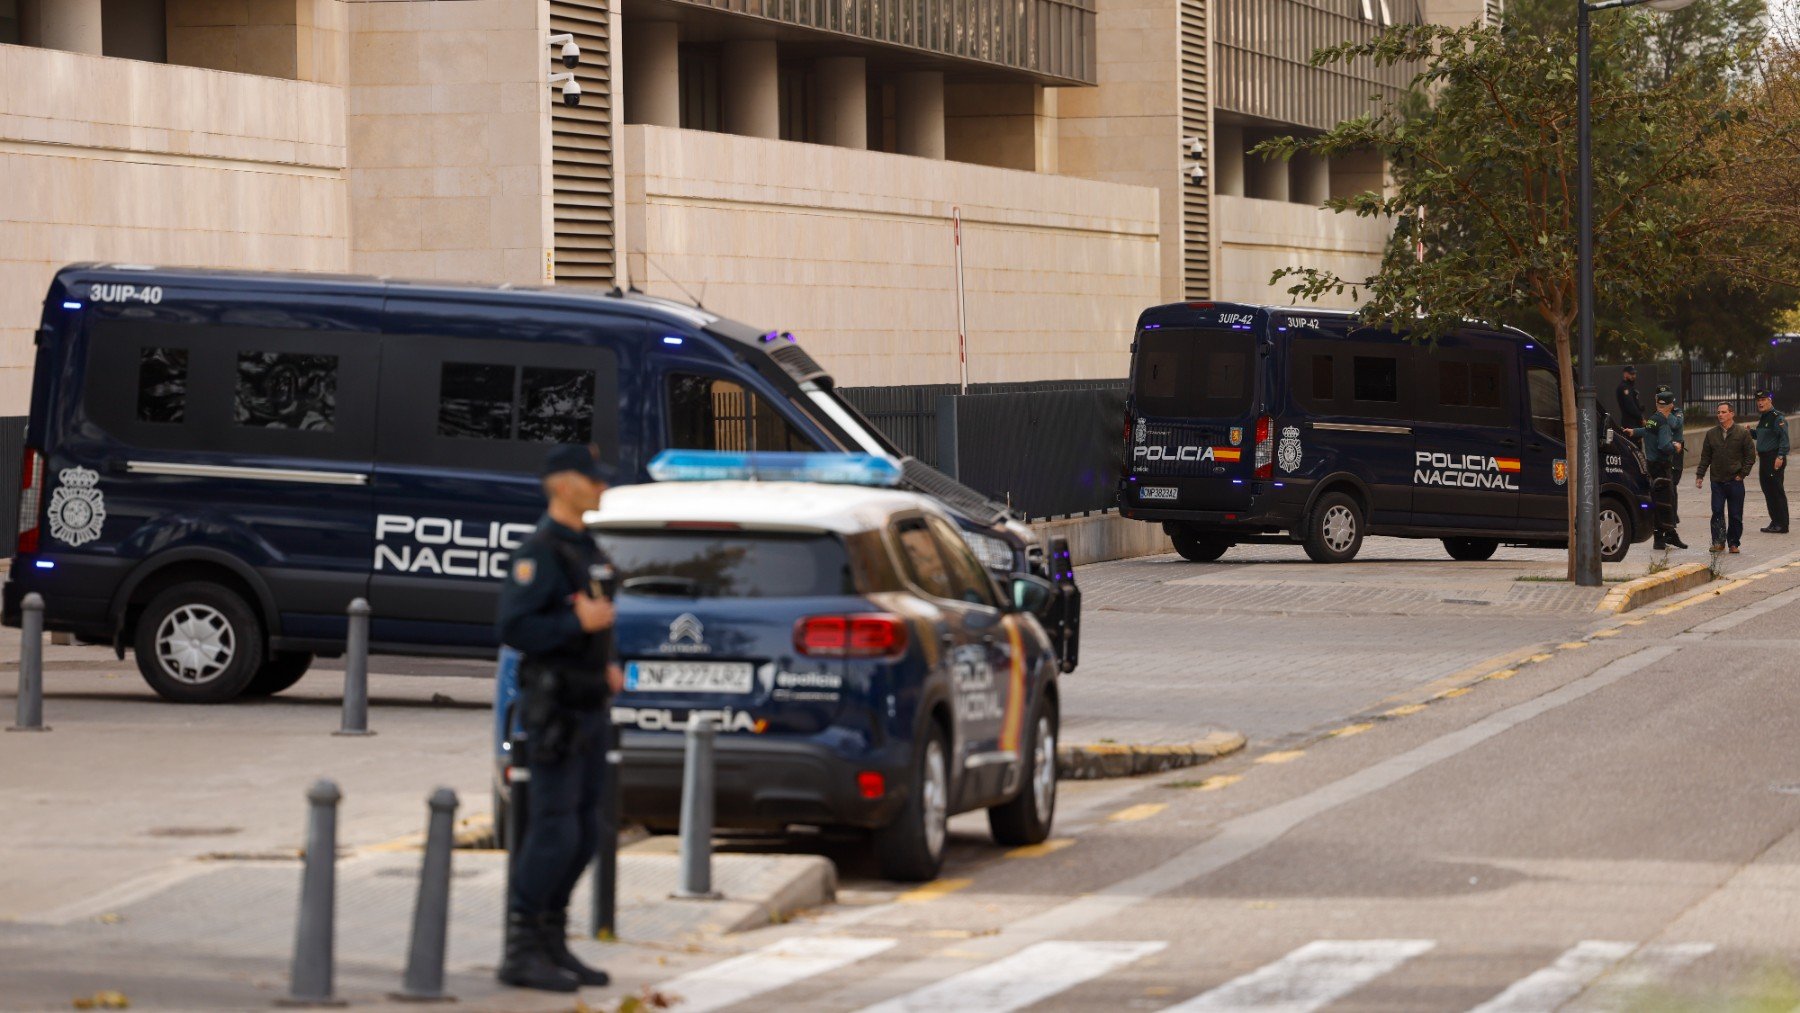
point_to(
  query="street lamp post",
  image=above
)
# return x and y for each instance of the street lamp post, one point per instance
(1587, 415)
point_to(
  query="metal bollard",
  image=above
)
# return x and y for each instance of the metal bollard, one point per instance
(424, 981)
(310, 976)
(697, 811)
(603, 922)
(30, 714)
(356, 672)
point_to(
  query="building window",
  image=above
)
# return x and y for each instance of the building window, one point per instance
(796, 98)
(700, 98)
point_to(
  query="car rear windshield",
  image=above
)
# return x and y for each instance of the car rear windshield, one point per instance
(726, 564)
(1200, 373)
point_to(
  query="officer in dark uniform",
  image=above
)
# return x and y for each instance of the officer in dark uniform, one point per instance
(1631, 411)
(1678, 465)
(1771, 461)
(556, 610)
(1658, 436)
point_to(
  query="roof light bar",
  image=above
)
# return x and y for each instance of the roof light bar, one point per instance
(773, 466)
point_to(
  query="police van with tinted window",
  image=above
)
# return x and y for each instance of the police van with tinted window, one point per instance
(1250, 424)
(218, 462)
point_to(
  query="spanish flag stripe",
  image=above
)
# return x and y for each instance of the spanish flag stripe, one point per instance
(1013, 722)
(1227, 454)
(1507, 463)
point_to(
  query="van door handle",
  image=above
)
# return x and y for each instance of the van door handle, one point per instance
(1509, 443)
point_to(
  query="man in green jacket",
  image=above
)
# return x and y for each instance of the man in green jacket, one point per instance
(1729, 456)
(1658, 437)
(1678, 463)
(1771, 461)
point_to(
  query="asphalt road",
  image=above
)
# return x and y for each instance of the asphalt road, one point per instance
(1611, 826)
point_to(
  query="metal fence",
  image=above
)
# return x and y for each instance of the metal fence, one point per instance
(1046, 448)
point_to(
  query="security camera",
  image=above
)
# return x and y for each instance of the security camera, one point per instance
(1196, 171)
(571, 53)
(571, 88)
(1195, 146)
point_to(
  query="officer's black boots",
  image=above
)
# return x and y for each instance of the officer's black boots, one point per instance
(555, 928)
(528, 962)
(1674, 539)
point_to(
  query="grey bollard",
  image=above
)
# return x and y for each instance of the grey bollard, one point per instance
(356, 672)
(30, 714)
(697, 811)
(424, 981)
(310, 976)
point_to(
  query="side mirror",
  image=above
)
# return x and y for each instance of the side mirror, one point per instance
(1031, 593)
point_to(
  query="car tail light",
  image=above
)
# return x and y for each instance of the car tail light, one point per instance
(871, 784)
(870, 635)
(31, 500)
(1265, 448)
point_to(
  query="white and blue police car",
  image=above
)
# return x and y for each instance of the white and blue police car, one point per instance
(865, 669)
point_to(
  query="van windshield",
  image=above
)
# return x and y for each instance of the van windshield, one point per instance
(1196, 372)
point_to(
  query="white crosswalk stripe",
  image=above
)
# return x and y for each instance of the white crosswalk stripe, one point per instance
(1308, 978)
(777, 965)
(1582, 964)
(1031, 975)
(1648, 966)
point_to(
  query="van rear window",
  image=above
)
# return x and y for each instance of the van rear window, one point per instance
(725, 564)
(1194, 373)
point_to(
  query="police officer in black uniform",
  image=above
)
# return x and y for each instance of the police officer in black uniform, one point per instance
(1631, 410)
(556, 610)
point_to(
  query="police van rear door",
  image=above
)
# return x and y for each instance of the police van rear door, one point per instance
(1192, 411)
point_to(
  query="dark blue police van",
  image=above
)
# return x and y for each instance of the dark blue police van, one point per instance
(218, 462)
(1279, 425)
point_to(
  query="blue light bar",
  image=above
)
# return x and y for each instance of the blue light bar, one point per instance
(71, 305)
(773, 466)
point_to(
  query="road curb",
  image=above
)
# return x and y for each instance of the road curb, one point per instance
(1112, 759)
(1644, 590)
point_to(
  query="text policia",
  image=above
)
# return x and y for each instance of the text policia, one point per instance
(1465, 471)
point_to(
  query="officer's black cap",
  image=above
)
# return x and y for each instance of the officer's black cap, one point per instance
(1665, 396)
(1629, 368)
(584, 460)
(1762, 394)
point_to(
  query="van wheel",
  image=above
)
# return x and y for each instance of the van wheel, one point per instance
(1026, 817)
(1471, 550)
(1334, 532)
(198, 643)
(1615, 531)
(1199, 548)
(911, 849)
(283, 669)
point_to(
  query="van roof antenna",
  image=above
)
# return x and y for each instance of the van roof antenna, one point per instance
(675, 283)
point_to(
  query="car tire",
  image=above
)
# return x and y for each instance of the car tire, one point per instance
(283, 669)
(1471, 550)
(1334, 531)
(198, 643)
(1026, 818)
(911, 849)
(1199, 548)
(1614, 528)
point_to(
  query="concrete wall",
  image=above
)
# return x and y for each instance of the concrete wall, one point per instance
(118, 160)
(298, 39)
(449, 140)
(1255, 237)
(852, 251)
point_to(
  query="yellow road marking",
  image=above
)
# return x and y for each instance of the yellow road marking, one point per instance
(1131, 814)
(1534, 659)
(1756, 576)
(1041, 849)
(1504, 673)
(1606, 633)
(1451, 693)
(1697, 599)
(1634, 622)
(933, 890)
(1349, 730)
(1284, 756)
(1400, 712)
(1218, 781)
(1573, 645)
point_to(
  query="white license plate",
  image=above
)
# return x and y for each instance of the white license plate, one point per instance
(689, 676)
(1157, 492)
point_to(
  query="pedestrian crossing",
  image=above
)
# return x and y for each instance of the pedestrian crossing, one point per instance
(1604, 973)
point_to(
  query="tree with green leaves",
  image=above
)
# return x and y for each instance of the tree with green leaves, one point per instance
(1483, 179)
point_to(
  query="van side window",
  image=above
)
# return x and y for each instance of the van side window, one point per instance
(1322, 386)
(1376, 378)
(285, 390)
(712, 413)
(1546, 402)
(530, 404)
(162, 385)
(475, 401)
(925, 566)
(1469, 384)
(556, 405)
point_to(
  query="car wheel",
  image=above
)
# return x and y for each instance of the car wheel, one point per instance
(198, 643)
(282, 670)
(1027, 816)
(1199, 548)
(911, 849)
(1334, 532)
(1471, 550)
(1615, 531)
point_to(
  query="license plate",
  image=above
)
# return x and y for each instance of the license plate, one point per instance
(1157, 492)
(689, 676)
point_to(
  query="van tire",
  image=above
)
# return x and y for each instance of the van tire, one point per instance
(1026, 818)
(1613, 512)
(283, 669)
(210, 617)
(1199, 548)
(1471, 550)
(1334, 532)
(904, 848)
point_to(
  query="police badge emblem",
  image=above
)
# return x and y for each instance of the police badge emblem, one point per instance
(1237, 435)
(1141, 431)
(1559, 470)
(77, 509)
(1287, 452)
